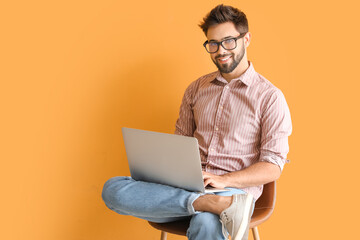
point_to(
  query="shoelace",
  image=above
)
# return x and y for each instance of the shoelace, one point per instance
(224, 230)
(223, 227)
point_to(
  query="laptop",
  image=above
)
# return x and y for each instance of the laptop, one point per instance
(163, 158)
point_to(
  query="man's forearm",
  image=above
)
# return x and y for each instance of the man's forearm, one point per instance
(257, 174)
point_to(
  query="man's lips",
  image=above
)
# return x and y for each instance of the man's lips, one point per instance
(223, 59)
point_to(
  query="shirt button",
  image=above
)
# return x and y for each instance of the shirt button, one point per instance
(217, 129)
(221, 107)
(227, 87)
(212, 149)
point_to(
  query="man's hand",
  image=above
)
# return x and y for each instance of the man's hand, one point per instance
(214, 180)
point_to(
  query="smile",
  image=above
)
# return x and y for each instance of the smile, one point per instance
(224, 59)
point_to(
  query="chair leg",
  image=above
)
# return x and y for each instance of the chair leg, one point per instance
(255, 232)
(163, 235)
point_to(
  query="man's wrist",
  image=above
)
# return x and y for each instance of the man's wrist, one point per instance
(227, 180)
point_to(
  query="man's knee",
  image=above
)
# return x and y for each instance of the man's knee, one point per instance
(112, 187)
(205, 226)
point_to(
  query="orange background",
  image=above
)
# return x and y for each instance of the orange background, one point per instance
(74, 72)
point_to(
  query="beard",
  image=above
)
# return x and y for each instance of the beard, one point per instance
(229, 67)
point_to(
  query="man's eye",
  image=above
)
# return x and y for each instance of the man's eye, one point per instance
(213, 44)
(228, 41)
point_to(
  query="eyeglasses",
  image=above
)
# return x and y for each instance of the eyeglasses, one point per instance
(228, 44)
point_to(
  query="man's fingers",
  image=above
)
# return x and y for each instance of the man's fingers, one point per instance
(207, 181)
(207, 175)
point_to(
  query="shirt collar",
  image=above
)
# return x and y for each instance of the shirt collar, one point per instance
(247, 77)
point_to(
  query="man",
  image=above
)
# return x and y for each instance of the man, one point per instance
(242, 124)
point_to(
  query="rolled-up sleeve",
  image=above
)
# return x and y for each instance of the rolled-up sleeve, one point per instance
(276, 127)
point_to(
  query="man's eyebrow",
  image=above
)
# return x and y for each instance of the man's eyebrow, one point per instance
(213, 40)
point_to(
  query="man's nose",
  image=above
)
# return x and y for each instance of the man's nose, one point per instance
(221, 49)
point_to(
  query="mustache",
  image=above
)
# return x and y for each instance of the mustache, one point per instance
(224, 55)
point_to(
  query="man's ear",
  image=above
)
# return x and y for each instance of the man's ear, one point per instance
(247, 39)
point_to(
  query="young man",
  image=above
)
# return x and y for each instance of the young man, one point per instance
(242, 123)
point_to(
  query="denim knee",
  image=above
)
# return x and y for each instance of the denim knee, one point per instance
(205, 225)
(110, 192)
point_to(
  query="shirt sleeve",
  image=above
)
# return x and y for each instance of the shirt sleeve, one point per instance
(276, 128)
(185, 124)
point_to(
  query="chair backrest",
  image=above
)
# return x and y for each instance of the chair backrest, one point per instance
(268, 197)
(264, 206)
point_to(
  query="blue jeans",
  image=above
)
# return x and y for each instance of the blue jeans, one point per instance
(161, 203)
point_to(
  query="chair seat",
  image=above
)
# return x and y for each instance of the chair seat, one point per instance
(178, 227)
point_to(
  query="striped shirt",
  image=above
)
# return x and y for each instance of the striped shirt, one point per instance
(236, 124)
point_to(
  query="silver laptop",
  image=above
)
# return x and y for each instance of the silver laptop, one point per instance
(165, 158)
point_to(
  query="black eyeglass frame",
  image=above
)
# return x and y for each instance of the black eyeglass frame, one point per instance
(221, 43)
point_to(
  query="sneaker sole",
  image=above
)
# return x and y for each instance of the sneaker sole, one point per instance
(245, 220)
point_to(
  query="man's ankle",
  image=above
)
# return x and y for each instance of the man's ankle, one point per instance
(212, 203)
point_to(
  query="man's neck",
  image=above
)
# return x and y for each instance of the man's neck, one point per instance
(238, 71)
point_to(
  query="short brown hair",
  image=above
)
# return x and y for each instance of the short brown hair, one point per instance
(221, 14)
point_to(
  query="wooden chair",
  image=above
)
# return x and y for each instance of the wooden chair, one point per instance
(264, 207)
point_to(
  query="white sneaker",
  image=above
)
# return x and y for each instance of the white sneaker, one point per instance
(236, 218)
